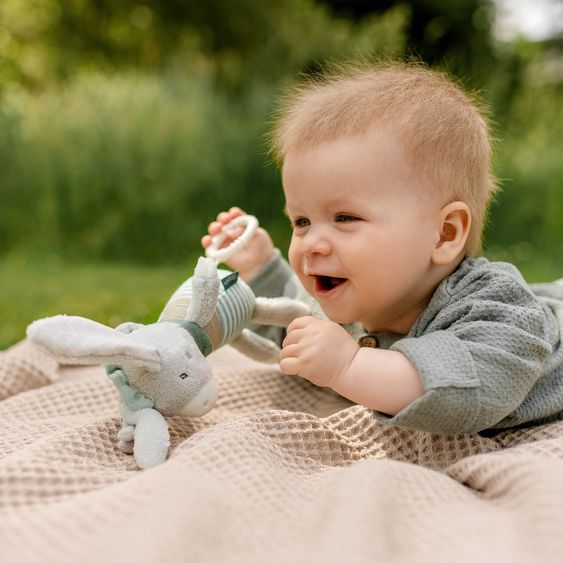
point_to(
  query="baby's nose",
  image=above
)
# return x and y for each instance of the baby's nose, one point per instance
(315, 242)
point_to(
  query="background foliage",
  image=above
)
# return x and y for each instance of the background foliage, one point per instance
(126, 126)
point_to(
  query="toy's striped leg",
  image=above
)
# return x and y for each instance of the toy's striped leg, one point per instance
(257, 347)
(278, 311)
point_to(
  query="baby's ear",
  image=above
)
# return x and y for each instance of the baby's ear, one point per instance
(455, 222)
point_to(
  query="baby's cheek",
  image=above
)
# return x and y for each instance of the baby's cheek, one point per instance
(295, 258)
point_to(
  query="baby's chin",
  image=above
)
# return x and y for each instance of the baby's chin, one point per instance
(340, 317)
(335, 313)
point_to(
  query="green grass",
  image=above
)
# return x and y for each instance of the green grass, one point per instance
(108, 293)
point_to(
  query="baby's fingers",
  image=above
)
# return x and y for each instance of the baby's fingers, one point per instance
(227, 216)
(290, 358)
(215, 227)
(289, 365)
(212, 229)
(300, 323)
(292, 337)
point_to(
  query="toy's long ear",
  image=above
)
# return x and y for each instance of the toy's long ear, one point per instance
(205, 292)
(76, 340)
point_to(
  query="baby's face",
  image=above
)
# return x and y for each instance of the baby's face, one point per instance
(362, 233)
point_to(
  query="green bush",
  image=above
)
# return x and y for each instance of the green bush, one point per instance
(134, 166)
(129, 166)
(526, 225)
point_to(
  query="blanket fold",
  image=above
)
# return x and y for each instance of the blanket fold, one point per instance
(280, 471)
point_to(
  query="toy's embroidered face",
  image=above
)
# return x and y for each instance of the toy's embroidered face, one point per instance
(362, 232)
(185, 377)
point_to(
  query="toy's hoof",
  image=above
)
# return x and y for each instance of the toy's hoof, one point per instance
(125, 447)
(152, 439)
(147, 458)
(127, 433)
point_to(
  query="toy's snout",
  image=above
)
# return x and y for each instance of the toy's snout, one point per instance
(203, 402)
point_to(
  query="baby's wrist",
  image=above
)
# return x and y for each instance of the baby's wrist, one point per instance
(346, 380)
(249, 274)
(345, 372)
(259, 267)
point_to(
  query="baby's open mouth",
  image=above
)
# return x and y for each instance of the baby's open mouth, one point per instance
(324, 284)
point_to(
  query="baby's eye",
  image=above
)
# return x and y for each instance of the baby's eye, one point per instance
(300, 222)
(345, 218)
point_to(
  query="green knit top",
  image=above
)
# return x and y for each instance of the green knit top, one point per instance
(488, 348)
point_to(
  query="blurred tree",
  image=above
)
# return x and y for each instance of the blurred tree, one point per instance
(241, 39)
(133, 84)
(454, 34)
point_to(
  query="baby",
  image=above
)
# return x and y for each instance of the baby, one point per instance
(386, 176)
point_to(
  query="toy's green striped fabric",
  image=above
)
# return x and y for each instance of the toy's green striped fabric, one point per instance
(233, 312)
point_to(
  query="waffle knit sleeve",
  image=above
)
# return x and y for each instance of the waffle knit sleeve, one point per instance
(479, 348)
(275, 279)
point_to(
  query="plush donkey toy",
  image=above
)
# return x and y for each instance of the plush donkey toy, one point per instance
(160, 369)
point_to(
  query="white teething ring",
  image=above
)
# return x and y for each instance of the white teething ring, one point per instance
(219, 254)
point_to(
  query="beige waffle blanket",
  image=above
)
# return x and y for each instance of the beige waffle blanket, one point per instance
(279, 471)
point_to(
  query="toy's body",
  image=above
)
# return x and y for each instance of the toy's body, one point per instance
(160, 369)
(232, 312)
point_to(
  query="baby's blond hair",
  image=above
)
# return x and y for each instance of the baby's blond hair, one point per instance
(443, 129)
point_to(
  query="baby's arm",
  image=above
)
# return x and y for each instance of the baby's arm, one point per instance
(382, 380)
(487, 353)
(325, 354)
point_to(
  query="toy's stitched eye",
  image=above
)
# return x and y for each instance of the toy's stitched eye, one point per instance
(183, 375)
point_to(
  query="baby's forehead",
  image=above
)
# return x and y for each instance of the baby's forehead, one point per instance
(377, 144)
(329, 199)
(377, 136)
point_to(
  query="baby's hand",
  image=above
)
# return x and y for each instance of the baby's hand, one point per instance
(318, 350)
(253, 256)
